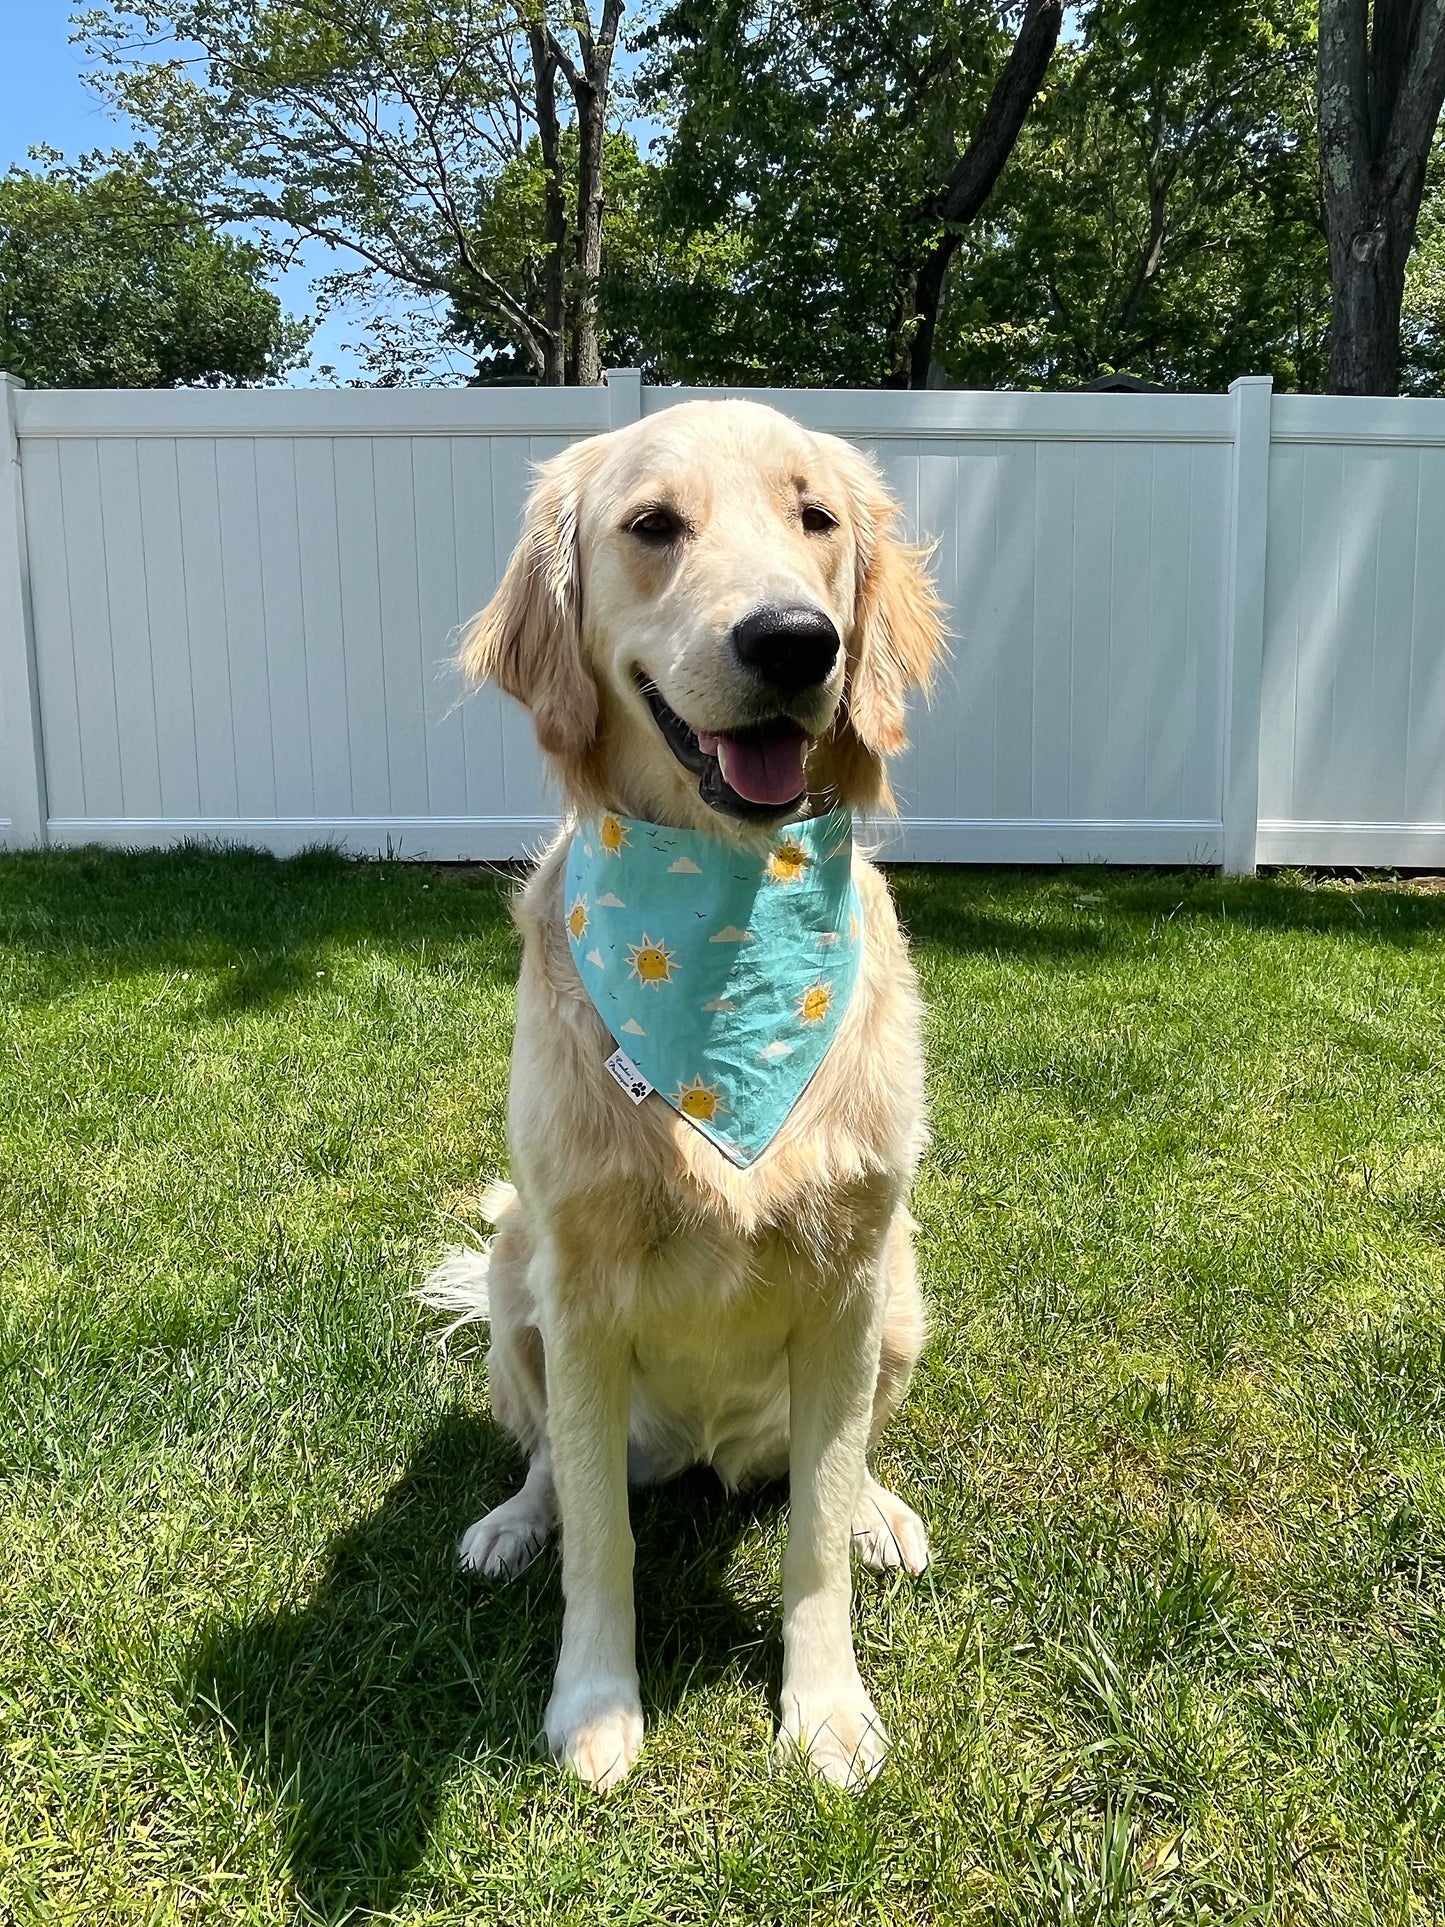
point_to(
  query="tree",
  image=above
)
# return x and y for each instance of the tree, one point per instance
(1161, 213)
(1381, 86)
(107, 282)
(826, 146)
(392, 133)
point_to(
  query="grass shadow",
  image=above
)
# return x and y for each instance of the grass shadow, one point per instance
(1078, 917)
(359, 1706)
(261, 929)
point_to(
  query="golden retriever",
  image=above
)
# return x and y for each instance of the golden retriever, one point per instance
(714, 624)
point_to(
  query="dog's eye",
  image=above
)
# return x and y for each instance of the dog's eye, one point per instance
(657, 525)
(816, 519)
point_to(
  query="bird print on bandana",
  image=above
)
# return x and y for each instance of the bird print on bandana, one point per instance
(723, 969)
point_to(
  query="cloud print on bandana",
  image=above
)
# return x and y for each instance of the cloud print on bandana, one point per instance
(722, 968)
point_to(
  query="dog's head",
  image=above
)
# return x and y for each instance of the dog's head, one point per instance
(709, 615)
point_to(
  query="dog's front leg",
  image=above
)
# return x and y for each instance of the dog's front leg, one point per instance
(826, 1711)
(594, 1717)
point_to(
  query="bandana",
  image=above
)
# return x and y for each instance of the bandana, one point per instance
(722, 974)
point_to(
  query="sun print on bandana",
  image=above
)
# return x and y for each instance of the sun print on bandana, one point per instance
(577, 920)
(789, 861)
(815, 1003)
(699, 1101)
(651, 961)
(613, 835)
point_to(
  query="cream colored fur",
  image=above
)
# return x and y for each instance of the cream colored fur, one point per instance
(651, 1305)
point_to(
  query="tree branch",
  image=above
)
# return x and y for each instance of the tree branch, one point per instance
(972, 180)
(1422, 92)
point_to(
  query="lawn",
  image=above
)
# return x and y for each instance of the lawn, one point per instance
(1179, 1435)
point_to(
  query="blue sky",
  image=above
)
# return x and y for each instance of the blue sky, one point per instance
(44, 101)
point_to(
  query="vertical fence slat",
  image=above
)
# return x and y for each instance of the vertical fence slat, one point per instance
(94, 639)
(479, 560)
(437, 618)
(203, 560)
(361, 639)
(243, 579)
(1244, 620)
(22, 777)
(1425, 742)
(326, 701)
(403, 675)
(284, 623)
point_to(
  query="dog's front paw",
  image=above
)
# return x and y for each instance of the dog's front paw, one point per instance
(839, 1735)
(595, 1729)
(888, 1535)
(506, 1540)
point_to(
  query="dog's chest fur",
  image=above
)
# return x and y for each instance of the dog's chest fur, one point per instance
(709, 1374)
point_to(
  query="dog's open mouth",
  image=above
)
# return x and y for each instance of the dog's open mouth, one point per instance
(755, 771)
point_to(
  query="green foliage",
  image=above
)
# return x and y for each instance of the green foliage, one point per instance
(643, 259)
(403, 136)
(384, 132)
(806, 143)
(1162, 212)
(1422, 329)
(106, 281)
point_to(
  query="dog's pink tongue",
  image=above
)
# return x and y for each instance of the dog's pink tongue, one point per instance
(760, 772)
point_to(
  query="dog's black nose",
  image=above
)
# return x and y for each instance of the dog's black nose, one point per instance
(792, 648)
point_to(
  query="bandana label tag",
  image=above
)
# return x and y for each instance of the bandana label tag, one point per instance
(629, 1076)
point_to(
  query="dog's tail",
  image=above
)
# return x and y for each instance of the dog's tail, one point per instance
(457, 1282)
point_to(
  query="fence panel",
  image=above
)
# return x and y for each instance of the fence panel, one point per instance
(1352, 722)
(232, 616)
(248, 606)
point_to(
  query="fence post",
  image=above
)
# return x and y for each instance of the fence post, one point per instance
(624, 396)
(1244, 619)
(22, 760)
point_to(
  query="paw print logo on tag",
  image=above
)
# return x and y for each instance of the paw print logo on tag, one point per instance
(621, 1067)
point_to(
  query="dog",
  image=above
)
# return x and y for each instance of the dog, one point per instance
(714, 623)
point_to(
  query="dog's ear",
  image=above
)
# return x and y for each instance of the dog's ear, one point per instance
(528, 639)
(898, 633)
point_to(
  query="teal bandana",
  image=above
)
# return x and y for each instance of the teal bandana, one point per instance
(721, 973)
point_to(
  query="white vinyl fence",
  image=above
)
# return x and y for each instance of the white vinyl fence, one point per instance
(1187, 628)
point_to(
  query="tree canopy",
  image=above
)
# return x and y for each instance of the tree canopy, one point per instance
(105, 281)
(812, 149)
(848, 192)
(1162, 214)
(407, 136)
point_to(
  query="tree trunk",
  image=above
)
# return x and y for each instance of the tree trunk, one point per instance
(972, 180)
(1367, 276)
(591, 84)
(1381, 84)
(554, 263)
(927, 304)
(591, 132)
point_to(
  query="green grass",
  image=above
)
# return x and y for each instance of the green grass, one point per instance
(1179, 1435)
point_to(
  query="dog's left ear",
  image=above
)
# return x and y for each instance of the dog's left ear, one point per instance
(528, 639)
(898, 633)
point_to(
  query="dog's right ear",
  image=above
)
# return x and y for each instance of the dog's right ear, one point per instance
(528, 639)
